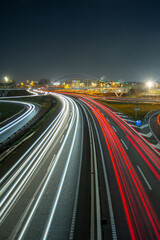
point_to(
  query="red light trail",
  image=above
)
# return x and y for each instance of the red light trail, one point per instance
(142, 220)
(158, 119)
(153, 160)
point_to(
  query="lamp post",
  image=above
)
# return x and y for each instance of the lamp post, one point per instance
(6, 79)
(149, 85)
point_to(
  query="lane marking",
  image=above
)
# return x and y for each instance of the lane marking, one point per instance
(98, 210)
(114, 129)
(112, 221)
(124, 144)
(92, 223)
(144, 178)
(62, 138)
(95, 198)
(73, 222)
(107, 119)
(51, 163)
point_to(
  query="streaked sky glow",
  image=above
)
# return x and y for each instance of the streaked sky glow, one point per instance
(118, 39)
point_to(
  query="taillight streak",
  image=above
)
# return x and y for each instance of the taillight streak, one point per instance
(140, 144)
(138, 209)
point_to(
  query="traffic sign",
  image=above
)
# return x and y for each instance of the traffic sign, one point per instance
(136, 109)
(138, 122)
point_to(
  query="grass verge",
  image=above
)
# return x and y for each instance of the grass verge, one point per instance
(129, 108)
(7, 110)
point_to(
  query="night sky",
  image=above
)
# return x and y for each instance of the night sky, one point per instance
(117, 39)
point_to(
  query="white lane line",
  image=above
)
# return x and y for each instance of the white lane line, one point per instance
(119, 113)
(124, 144)
(107, 119)
(144, 178)
(62, 138)
(98, 210)
(95, 198)
(112, 221)
(73, 222)
(51, 163)
(114, 129)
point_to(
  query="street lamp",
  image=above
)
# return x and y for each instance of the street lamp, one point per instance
(149, 84)
(6, 79)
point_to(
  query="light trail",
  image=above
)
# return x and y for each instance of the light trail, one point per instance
(20, 118)
(112, 220)
(158, 119)
(142, 220)
(39, 139)
(48, 225)
(153, 160)
(22, 173)
(15, 185)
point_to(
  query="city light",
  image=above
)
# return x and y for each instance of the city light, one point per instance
(149, 84)
(6, 79)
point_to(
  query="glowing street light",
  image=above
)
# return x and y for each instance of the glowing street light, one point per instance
(6, 79)
(150, 84)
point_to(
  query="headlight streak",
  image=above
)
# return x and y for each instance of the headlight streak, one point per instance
(140, 215)
(47, 180)
(19, 119)
(23, 169)
(62, 179)
(47, 135)
(15, 165)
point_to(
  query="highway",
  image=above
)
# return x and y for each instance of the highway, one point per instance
(132, 168)
(16, 122)
(44, 179)
(88, 176)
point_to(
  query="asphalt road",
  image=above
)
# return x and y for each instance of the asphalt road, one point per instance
(88, 176)
(132, 169)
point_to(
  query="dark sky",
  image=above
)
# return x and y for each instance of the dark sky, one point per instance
(118, 39)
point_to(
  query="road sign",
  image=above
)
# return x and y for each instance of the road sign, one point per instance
(138, 122)
(136, 109)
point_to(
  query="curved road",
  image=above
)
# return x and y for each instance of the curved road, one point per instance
(14, 124)
(88, 176)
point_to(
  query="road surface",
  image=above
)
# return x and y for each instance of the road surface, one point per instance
(88, 176)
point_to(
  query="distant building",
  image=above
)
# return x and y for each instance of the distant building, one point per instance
(75, 83)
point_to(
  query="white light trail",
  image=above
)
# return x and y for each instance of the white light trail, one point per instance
(20, 118)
